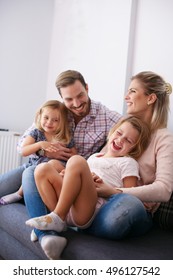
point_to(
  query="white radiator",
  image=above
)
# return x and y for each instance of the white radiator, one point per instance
(9, 157)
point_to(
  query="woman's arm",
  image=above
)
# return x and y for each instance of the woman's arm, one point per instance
(156, 168)
(105, 190)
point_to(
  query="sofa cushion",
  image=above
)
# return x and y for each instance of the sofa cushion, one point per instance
(164, 215)
(147, 247)
(15, 242)
(15, 235)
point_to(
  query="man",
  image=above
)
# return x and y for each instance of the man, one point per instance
(90, 123)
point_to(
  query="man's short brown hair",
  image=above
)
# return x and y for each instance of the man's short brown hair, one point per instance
(67, 78)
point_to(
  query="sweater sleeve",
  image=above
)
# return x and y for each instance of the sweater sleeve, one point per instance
(156, 168)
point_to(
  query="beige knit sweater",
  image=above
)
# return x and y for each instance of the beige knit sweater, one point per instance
(156, 170)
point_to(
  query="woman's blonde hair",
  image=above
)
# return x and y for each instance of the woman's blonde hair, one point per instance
(144, 135)
(153, 83)
(63, 133)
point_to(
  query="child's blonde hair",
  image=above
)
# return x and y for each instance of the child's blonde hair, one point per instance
(63, 133)
(144, 135)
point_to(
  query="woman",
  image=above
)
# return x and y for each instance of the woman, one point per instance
(147, 98)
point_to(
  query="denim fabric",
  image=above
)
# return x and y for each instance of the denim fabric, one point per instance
(123, 215)
(34, 204)
(11, 181)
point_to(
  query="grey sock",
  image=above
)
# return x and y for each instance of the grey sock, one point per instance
(10, 198)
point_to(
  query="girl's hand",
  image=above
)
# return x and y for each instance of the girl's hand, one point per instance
(62, 173)
(96, 178)
(48, 147)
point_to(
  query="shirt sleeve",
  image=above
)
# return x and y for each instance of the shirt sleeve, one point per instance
(26, 133)
(129, 167)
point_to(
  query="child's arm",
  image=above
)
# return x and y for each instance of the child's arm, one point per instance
(61, 152)
(30, 146)
(130, 181)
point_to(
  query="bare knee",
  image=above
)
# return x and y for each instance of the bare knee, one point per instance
(77, 165)
(56, 164)
(41, 170)
(76, 160)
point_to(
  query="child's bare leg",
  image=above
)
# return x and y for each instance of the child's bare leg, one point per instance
(78, 193)
(12, 197)
(46, 177)
(56, 164)
(20, 191)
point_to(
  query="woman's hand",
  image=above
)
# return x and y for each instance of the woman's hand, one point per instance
(151, 206)
(104, 190)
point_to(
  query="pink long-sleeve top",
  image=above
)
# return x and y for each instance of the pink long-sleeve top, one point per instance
(156, 170)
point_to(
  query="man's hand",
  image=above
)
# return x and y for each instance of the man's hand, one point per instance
(60, 152)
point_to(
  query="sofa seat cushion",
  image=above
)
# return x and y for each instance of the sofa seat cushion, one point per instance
(15, 242)
(12, 222)
(147, 247)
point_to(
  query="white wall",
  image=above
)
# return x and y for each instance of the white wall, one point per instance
(153, 46)
(91, 36)
(25, 32)
(101, 38)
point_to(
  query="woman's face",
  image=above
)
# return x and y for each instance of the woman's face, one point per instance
(137, 100)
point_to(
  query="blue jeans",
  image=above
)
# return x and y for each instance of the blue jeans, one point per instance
(33, 201)
(123, 215)
(11, 181)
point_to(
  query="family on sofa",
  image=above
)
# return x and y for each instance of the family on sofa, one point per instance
(90, 122)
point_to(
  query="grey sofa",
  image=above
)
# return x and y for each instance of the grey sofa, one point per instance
(15, 241)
